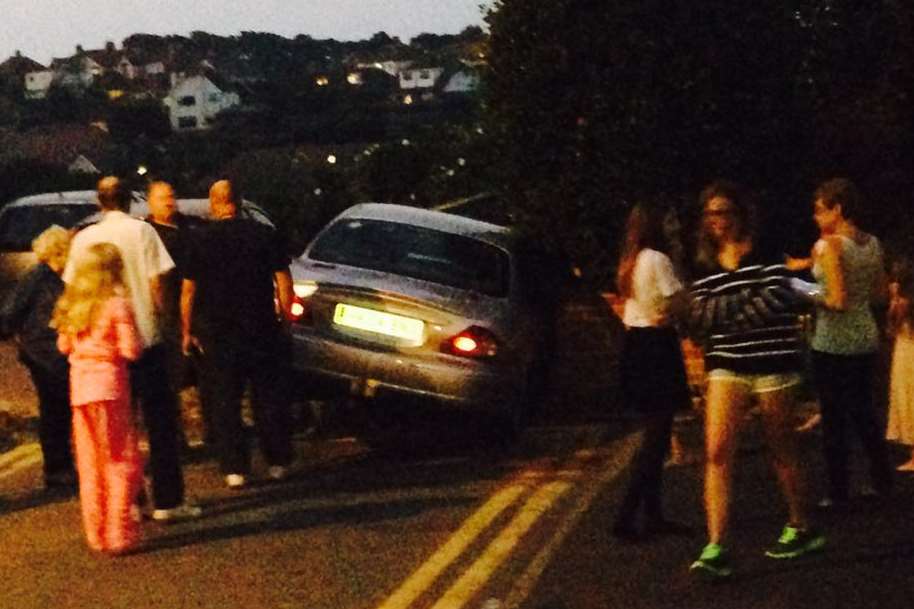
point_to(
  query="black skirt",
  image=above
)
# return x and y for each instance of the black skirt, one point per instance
(653, 372)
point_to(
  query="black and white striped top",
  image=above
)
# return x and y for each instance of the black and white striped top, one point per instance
(748, 318)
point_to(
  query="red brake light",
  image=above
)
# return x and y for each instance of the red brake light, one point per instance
(472, 342)
(300, 311)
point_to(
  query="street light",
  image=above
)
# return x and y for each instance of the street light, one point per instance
(331, 159)
(141, 170)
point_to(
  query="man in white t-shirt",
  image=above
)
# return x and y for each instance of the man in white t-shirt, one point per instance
(145, 261)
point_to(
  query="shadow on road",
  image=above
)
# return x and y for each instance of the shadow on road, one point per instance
(361, 514)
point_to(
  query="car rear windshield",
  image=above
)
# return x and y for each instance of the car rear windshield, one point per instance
(411, 251)
(20, 224)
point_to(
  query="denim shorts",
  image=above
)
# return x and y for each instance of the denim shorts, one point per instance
(758, 383)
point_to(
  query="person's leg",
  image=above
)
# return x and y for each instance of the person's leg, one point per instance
(91, 490)
(777, 416)
(159, 405)
(627, 514)
(224, 378)
(830, 385)
(208, 402)
(865, 420)
(54, 422)
(270, 391)
(123, 477)
(727, 401)
(657, 436)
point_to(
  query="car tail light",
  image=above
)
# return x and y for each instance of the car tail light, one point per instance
(472, 342)
(300, 311)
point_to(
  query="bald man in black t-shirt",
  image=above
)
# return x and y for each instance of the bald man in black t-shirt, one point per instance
(236, 270)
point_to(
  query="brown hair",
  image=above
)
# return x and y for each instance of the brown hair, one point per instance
(843, 192)
(643, 229)
(743, 212)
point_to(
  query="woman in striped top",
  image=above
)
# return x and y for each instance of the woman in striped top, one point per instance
(747, 315)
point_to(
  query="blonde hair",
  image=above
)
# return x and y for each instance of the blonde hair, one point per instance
(52, 247)
(98, 275)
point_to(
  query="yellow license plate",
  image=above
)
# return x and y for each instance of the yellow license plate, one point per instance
(379, 322)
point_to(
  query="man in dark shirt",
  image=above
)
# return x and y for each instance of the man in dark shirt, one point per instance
(175, 230)
(235, 269)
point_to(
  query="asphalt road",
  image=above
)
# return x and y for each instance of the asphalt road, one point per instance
(418, 512)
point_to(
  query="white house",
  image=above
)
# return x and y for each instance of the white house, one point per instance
(194, 102)
(420, 78)
(38, 83)
(154, 67)
(126, 68)
(463, 81)
(391, 67)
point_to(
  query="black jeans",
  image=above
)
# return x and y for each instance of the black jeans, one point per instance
(227, 366)
(845, 387)
(159, 405)
(644, 487)
(55, 417)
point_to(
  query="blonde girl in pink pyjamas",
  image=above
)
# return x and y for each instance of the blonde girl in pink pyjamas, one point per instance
(97, 331)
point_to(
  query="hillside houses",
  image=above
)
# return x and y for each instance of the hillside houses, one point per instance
(197, 77)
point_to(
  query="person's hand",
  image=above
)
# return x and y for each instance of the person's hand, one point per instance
(190, 345)
(797, 264)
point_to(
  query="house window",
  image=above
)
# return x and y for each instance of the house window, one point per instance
(215, 98)
(424, 75)
(187, 122)
(407, 75)
(187, 100)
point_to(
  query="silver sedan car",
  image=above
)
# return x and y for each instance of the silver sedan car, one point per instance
(399, 300)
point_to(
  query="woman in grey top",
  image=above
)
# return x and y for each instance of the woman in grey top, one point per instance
(848, 264)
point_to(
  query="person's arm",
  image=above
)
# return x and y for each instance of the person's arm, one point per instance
(188, 341)
(753, 303)
(829, 258)
(158, 262)
(284, 292)
(879, 294)
(64, 344)
(676, 300)
(16, 305)
(155, 288)
(129, 342)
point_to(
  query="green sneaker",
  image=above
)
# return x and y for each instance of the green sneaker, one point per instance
(796, 542)
(713, 562)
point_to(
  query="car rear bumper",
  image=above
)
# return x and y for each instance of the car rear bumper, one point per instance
(347, 369)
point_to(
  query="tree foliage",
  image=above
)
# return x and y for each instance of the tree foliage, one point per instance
(600, 104)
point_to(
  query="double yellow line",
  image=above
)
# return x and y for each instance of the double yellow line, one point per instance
(544, 495)
(19, 458)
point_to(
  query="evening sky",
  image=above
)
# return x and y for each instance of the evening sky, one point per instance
(42, 29)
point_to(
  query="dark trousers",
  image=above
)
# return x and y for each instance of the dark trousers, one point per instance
(644, 487)
(227, 367)
(54, 417)
(159, 405)
(845, 387)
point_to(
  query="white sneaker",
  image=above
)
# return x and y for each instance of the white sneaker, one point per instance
(278, 472)
(235, 481)
(185, 511)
